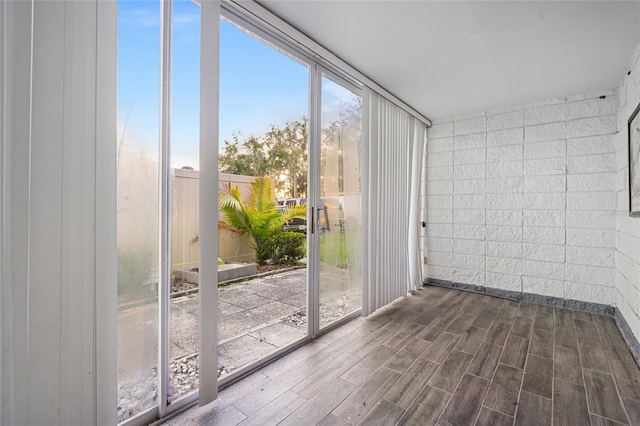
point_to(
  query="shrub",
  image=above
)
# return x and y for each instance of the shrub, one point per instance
(286, 247)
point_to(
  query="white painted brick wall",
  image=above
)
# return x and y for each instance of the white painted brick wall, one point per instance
(525, 199)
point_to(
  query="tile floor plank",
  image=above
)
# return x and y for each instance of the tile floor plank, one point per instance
(592, 356)
(450, 371)
(489, 417)
(407, 355)
(409, 385)
(353, 409)
(538, 376)
(498, 333)
(586, 330)
(543, 321)
(633, 410)
(402, 337)
(602, 396)
(276, 411)
(541, 343)
(601, 421)
(503, 391)
(228, 416)
(317, 381)
(426, 408)
(471, 340)
(627, 377)
(465, 402)
(365, 367)
(441, 347)
(522, 326)
(384, 413)
(314, 410)
(515, 351)
(533, 410)
(566, 364)
(485, 361)
(570, 404)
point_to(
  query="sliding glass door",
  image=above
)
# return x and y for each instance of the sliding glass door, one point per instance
(339, 205)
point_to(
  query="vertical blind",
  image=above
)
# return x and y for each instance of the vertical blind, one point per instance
(393, 142)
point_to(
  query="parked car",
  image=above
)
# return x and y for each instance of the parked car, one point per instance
(295, 224)
(332, 217)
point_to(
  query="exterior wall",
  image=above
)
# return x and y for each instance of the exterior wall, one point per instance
(627, 246)
(523, 199)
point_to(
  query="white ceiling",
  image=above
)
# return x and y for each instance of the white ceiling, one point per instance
(455, 57)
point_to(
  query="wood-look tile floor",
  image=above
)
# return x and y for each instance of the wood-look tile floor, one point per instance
(445, 357)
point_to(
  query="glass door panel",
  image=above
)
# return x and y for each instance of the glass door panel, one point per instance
(184, 299)
(137, 214)
(263, 167)
(340, 208)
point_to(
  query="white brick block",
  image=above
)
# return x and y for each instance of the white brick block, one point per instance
(440, 173)
(591, 145)
(505, 137)
(591, 219)
(591, 201)
(544, 201)
(441, 202)
(504, 217)
(622, 159)
(440, 216)
(476, 247)
(547, 166)
(548, 270)
(543, 252)
(440, 159)
(545, 287)
(442, 130)
(504, 265)
(439, 258)
(590, 274)
(590, 256)
(548, 149)
(590, 293)
(603, 238)
(601, 163)
(545, 132)
(628, 245)
(545, 114)
(504, 249)
(554, 183)
(474, 217)
(504, 153)
(470, 156)
(438, 272)
(628, 225)
(470, 186)
(591, 182)
(504, 110)
(471, 171)
(439, 145)
(476, 140)
(504, 185)
(503, 281)
(439, 244)
(467, 276)
(468, 261)
(622, 179)
(474, 125)
(554, 218)
(627, 267)
(505, 121)
(440, 187)
(469, 232)
(504, 201)
(628, 291)
(505, 169)
(540, 235)
(466, 202)
(504, 233)
(591, 126)
(439, 230)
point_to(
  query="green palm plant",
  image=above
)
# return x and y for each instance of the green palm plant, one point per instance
(258, 217)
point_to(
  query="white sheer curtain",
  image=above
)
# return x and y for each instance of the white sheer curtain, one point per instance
(393, 142)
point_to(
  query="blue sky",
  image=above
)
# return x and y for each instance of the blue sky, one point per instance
(258, 85)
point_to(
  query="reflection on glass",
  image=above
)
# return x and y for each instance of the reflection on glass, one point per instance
(184, 311)
(137, 215)
(340, 254)
(263, 134)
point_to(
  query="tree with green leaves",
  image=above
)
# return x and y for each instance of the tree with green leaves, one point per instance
(281, 153)
(257, 217)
